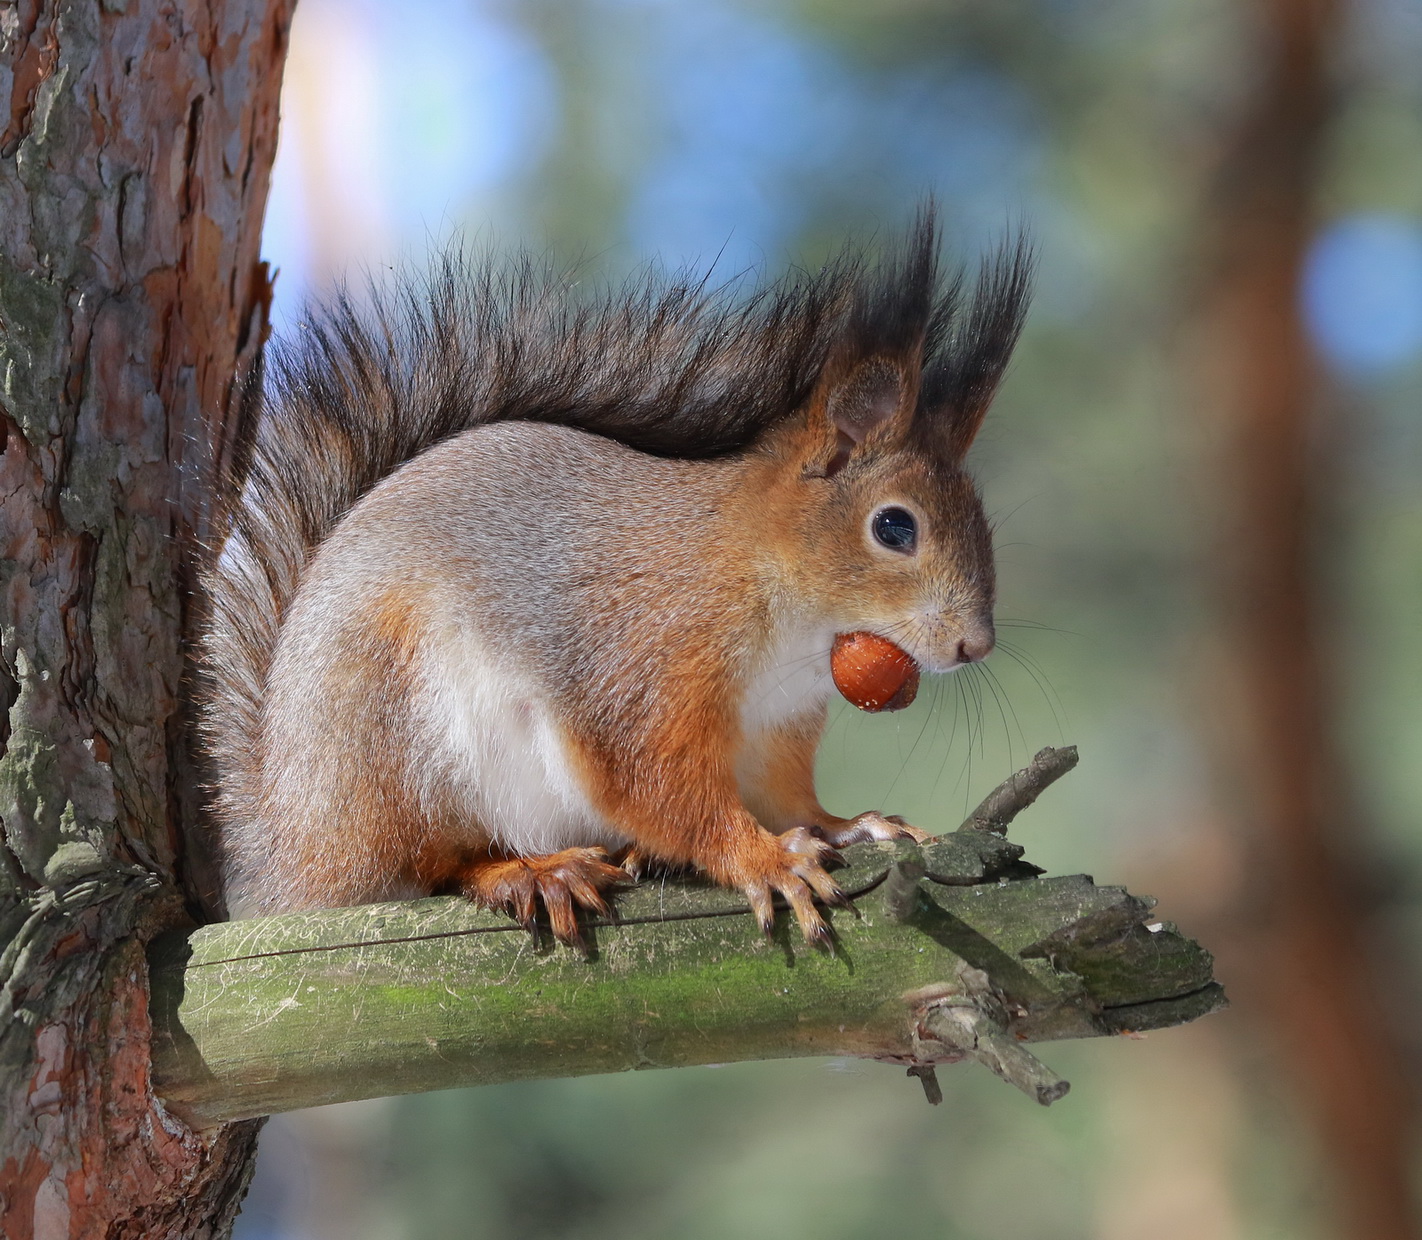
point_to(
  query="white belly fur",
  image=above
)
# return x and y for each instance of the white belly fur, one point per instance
(793, 679)
(508, 764)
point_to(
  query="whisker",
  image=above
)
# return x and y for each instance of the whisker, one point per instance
(961, 710)
(999, 694)
(978, 698)
(978, 689)
(913, 749)
(948, 744)
(1007, 699)
(997, 521)
(1040, 678)
(1010, 622)
(967, 778)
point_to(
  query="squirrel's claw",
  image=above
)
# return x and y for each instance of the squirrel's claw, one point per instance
(812, 924)
(562, 916)
(762, 907)
(868, 826)
(795, 871)
(633, 862)
(522, 902)
(563, 882)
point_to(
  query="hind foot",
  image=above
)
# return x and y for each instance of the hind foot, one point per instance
(564, 882)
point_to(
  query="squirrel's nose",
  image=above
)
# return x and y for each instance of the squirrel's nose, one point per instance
(976, 647)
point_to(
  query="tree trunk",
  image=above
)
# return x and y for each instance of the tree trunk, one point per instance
(134, 164)
(1261, 382)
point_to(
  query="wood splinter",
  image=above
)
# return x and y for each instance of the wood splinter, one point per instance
(928, 1077)
(967, 1019)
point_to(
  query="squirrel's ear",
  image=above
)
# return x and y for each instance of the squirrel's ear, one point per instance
(867, 404)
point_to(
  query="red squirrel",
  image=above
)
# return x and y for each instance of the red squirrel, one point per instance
(517, 584)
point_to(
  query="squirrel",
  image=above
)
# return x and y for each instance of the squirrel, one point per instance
(521, 591)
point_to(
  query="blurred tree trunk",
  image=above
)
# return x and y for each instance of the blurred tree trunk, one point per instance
(1260, 381)
(134, 163)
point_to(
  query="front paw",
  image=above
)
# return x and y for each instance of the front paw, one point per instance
(792, 865)
(868, 826)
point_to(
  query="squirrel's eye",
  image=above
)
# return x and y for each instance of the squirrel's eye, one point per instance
(895, 528)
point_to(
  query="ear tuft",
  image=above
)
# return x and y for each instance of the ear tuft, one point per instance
(968, 352)
(913, 361)
(868, 389)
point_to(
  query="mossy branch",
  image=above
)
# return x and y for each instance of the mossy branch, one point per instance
(958, 949)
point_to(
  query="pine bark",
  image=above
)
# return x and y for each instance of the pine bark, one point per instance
(134, 163)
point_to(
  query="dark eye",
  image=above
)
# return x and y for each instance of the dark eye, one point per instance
(895, 528)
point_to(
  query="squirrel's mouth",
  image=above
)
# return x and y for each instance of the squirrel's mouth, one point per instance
(946, 642)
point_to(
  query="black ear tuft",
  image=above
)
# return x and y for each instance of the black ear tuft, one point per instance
(895, 301)
(967, 353)
(868, 389)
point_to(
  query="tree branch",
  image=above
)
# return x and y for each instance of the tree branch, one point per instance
(1013, 795)
(957, 950)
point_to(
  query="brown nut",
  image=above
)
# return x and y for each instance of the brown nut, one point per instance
(872, 672)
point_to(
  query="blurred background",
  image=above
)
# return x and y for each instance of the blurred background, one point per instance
(1205, 472)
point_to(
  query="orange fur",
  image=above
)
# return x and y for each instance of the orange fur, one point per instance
(381, 826)
(782, 777)
(672, 788)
